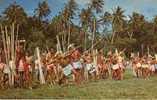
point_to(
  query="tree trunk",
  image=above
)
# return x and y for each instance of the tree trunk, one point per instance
(94, 33)
(69, 34)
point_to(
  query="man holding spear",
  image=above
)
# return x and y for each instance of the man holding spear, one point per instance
(76, 64)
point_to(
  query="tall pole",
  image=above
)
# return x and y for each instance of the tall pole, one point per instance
(148, 51)
(85, 37)
(42, 79)
(59, 44)
(94, 32)
(69, 34)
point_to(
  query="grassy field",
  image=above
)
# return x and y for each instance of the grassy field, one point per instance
(129, 88)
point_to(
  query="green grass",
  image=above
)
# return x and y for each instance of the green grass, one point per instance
(129, 88)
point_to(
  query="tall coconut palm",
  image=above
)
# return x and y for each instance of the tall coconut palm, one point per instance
(15, 13)
(43, 10)
(85, 16)
(68, 14)
(97, 5)
(136, 22)
(85, 19)
(72, 7)
(105, 20)
(117, 21)
(136, 27)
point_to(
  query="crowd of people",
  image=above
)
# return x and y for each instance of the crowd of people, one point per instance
(60, 68)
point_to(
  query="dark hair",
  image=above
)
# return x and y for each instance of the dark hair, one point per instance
(114, 61)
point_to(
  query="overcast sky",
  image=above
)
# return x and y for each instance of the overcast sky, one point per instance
(146, 7)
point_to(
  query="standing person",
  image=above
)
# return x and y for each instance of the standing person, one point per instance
(1, 68)
(145, 68)
(28, 70)
(4, 73)
(109, 60)
(115, 70)
(50, 67)
(121, 65)
(118, 67)
(36, 69)
(102, 67)
(76, 64)
(89, 66)
(155, 63)
(21, 67)
(133, 64)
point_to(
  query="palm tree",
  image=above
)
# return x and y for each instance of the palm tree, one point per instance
(85, 16)
(117, 21)
(68, 14)
(43, 10)
(97, 5)
(136, 23)
(136, 27)
(15, 13)
(72, 7)
(105, 20)
(85, 19)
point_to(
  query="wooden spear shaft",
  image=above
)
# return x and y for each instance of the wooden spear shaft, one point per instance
(13, 52)
(85, 34)
(7, 42)
(69, 35)
(148, 51)
(95, 52)
(4, 44)
(94, 32)
(62, 38)
(59, 45)
(16, 39)
(13, 44)
(42, 79)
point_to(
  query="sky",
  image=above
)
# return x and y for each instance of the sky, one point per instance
(145, 7)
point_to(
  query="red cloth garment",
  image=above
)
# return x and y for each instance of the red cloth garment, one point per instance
(26, 66)
(26, 70)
